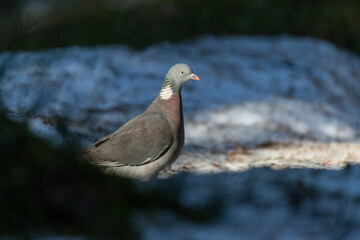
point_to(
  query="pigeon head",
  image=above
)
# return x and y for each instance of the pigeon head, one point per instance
(175, 78)
(181, 73)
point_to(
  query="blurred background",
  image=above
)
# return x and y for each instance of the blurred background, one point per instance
(41, 24)
(46, 192)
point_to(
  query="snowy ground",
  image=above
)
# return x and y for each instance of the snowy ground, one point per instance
(277, 102)
(254, 92)
(265, 204)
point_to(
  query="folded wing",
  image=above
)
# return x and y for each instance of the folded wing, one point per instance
(140, 141)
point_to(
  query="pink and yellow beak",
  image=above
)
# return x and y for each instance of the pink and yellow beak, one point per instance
(194, 77)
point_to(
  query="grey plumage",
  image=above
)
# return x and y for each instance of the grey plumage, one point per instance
(152, 140)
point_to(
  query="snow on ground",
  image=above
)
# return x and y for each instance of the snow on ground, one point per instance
(253, 91)
(264, 204)
(278, 102)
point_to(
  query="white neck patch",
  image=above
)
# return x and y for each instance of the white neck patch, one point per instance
(166, 92)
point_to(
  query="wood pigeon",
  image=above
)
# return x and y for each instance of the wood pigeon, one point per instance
(151, 141)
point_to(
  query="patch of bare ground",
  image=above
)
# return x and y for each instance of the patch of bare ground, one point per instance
(318, 155)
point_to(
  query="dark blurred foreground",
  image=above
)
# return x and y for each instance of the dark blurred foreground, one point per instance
(49, 24)
(47, 191)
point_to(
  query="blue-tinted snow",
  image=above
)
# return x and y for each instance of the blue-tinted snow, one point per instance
(119, 83)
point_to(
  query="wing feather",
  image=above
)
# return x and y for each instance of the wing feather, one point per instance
(140, 141)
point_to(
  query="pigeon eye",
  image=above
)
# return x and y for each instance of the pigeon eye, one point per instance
(182, 72)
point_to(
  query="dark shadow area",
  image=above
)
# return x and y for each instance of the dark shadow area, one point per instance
(52, 191)
(48, 24)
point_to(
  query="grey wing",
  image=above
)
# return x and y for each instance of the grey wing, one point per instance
(140, 141)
